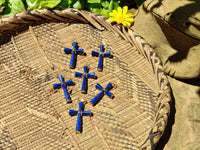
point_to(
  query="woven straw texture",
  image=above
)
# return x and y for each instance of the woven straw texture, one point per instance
(33, 115)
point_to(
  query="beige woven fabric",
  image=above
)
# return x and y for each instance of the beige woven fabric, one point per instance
(35, 116)
(172, 28)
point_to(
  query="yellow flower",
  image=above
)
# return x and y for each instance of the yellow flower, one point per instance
(121, 17)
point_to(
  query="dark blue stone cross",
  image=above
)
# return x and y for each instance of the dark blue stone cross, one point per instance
(74, 52)
(63, 85)
(79, 113)
(84, 75)
(102, 93)
(101, 54)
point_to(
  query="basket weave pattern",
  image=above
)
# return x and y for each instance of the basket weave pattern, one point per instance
(34, 116)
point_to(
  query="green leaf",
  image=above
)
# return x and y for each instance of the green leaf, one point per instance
(1, 2)
(105, 4)
(100, 11)
(94, 1)
(49, 3)
(77, 5)
(115, 4)
(32, 4)
(104, 12)
(95, 10)
(17, 5)
(13, 7)
(64, 4)
(95, 5)
(38, 4)
(111, 5)
(103, 8)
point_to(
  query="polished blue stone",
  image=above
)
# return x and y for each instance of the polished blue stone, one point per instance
(73, 112)
(103, 92)
(101, 54)
(78, 123)
(97, 98)
(74, 52)
(91, 75)
(79, 114)
(84, 75)
(63, 85)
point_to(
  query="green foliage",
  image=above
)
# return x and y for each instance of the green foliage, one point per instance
(94, 1)
(38, 4)
(1, 2)
(78, 5)
(103, 7)
(13, 6)
(64, 4)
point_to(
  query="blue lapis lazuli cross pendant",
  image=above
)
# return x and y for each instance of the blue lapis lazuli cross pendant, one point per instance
(74, 52)
(101, 54)
(102, 93)
(84, 75)
(79, 113)
(63, 85)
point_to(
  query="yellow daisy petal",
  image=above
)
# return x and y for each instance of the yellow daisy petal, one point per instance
(112, 19)
(119, 9)
(127, 23)
(125, 9)
(130, 15)
(111, 14)
(124, 24)
(129, 19)
(115, 12)
(118, 21)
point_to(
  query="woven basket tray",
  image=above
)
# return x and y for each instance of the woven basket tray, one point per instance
(33, 115)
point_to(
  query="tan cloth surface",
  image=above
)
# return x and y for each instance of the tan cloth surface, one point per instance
(172, 27)
(183, 130)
